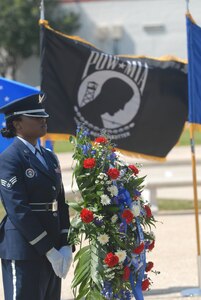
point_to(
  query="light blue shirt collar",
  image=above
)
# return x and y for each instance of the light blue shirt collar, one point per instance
(29, 145)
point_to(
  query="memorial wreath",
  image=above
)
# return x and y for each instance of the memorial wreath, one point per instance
(115, 221)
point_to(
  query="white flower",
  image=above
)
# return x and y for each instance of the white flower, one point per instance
(121, 255)
(136, 209)
(103, 239)
(96, 182)
(111, 276)
(102, 175)
(113, 190)
(99, 217)
(108, 181)
(105, 200)
(114, 219)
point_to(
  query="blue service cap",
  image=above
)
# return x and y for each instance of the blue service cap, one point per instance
(30, 106)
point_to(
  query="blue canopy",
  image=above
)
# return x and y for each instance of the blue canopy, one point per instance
(11, 90)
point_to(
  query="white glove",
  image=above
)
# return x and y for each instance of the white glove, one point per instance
(66, 251)
(56, 259)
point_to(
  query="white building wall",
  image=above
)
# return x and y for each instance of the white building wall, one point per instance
(137, 27)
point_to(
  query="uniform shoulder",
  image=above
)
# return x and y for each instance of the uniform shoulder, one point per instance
(9, 152)
(10, 160)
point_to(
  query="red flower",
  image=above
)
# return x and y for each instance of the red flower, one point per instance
(134, 169)
(126, 274)
(101, 140)
(113, 150)
(86, 215)
(151, 246)
(128, 215)
(145, 284)
(89, 163)
(139, 249)
(149, 266)
(111, 260)
(148, 211)
(113, 173)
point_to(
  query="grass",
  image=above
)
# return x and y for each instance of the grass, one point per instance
(185, 137)
(174, 204)
(63, 146)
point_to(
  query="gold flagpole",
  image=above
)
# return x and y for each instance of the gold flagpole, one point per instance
(193, 159)
(195, 291)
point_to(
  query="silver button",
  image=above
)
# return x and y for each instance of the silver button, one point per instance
(55, 214)
(54, 188)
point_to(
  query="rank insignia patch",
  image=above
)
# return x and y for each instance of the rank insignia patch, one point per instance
(9, 183)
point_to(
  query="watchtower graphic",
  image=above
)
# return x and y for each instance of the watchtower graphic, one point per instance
(90, 92)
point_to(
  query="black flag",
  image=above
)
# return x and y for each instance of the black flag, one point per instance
(141, 103)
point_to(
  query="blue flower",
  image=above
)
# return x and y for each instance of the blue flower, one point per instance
(122, 227)
(86, 148)
(85, 133)
(107, 290)
(93, 152)
(124, 197)
(111, 156)
(98, 222)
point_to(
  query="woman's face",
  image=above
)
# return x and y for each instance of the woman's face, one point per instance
(31, 128)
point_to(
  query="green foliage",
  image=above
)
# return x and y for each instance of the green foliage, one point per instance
(88, 272)
(19, 34)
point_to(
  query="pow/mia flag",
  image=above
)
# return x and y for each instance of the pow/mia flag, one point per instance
(140, 102)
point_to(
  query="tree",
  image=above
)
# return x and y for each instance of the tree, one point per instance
(19, 34)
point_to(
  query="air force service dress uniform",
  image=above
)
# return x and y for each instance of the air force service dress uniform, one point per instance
(37, 219)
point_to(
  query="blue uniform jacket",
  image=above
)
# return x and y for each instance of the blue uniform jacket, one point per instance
(25, 233)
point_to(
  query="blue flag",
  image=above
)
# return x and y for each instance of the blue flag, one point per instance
(9, 91)
(194, 71)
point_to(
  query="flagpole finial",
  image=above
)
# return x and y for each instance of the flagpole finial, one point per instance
(187, 6)
(42, 10)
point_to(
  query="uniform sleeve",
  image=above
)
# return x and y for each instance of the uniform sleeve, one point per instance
(64, 216)
(14, 198)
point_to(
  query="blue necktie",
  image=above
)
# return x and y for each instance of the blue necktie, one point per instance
(40, 157)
